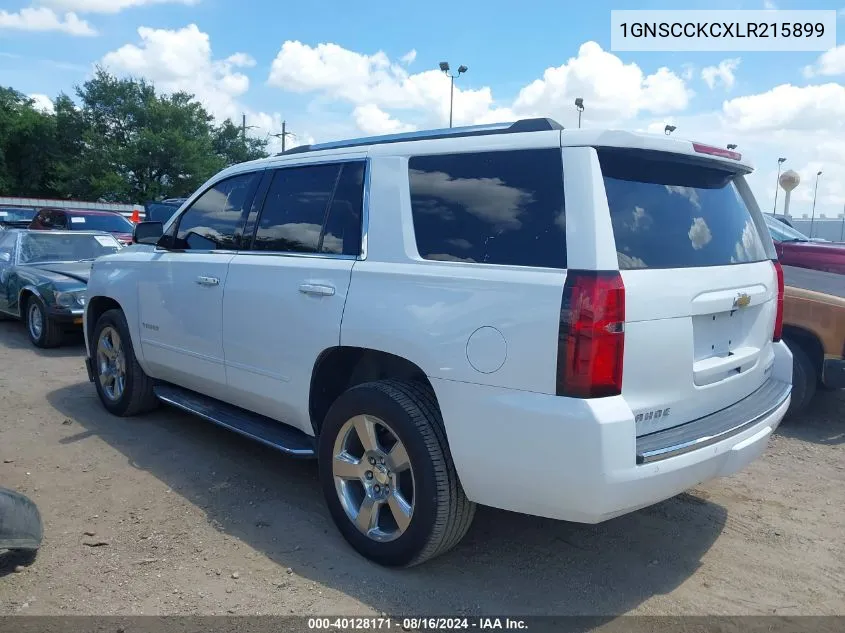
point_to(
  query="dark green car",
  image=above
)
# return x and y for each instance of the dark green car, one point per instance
(43, 278)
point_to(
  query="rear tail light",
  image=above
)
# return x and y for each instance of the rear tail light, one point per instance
(591, 335)
(776, 335)
(716, 151)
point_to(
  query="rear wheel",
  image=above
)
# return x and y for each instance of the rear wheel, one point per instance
(42, 330)
(122, 385)
(387, 474)
(804, 378)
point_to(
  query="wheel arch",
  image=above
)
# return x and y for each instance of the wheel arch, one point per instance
(94, 309)
(342, 367)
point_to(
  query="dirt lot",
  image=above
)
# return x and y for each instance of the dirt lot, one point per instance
(167, 514)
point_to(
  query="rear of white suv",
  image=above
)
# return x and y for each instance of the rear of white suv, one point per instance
(567, 324)
(670, 369)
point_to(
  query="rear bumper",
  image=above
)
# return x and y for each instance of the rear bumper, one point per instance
(576, 460)
(833, 373)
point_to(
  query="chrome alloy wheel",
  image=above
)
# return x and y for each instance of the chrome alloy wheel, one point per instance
(35, 321)
(373, 478)
(111, 363)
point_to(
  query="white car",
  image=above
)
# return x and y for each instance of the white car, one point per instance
(570, 324)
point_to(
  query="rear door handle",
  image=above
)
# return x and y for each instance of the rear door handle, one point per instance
(207, 281)
(319, 290)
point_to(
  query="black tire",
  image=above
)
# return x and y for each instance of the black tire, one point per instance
(442, 514)
(20, 522)
(51, 333)
(137, 396)
(804, 378)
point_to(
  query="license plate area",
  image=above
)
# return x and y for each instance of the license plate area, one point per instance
(718, 335)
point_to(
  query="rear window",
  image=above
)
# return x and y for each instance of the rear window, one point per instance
(95, 222)
(490, 207)
(667, 213)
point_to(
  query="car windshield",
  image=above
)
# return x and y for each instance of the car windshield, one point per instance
(783, 232)
(47, 246)
(12, 214)
(111, 222)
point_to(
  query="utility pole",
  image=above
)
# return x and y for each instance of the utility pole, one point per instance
(284, 134)
(815, 192)
(781, 161)
(243, 127)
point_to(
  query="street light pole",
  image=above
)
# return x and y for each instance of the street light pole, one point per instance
(813, 215)
(781, 161)
(579, 105)
(444, 66)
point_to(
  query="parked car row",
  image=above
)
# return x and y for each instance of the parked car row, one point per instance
(569, 324)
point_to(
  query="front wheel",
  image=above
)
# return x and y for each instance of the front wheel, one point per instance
(122, 385)
(388, 476)
(43, 331)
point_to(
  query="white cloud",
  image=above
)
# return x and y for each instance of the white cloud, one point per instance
(107, 6)
(44, 19)
(611, 89)
(371, 119)
(723, 73)
(43, 103)
(182, 60)
(789, 107)
(409, 57)
(831, 62)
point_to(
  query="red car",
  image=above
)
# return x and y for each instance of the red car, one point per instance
(84, 220)
(796, 249)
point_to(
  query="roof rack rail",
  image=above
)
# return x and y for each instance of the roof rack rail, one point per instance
(523, 125)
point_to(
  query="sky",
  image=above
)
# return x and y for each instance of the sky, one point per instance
(336, 69)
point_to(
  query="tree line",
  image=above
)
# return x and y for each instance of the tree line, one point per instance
(119, 141)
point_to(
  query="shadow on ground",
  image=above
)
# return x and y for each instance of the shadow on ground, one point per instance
(13, 335)
(822, 422)
(508, 563)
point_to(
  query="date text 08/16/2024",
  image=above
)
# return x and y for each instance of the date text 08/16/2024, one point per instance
(416, 624)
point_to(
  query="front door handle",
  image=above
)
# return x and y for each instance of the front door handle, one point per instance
(207, 281)
(319, 290)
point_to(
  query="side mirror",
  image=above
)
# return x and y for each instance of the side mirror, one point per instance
(147, 233)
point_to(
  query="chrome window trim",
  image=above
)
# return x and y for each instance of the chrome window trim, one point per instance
(365, 209)
(294, 254)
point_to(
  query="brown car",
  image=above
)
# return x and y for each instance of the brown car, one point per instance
(814, 330)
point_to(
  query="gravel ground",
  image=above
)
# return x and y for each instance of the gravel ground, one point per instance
(166, 514)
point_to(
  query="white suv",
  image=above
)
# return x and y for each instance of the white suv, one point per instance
(571, 324)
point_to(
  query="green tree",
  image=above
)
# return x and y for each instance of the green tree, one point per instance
(231, 146)
(27, 146)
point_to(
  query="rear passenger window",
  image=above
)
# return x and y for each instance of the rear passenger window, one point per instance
(672, 214)
(342, 235)
(490, 207)
(313, 209)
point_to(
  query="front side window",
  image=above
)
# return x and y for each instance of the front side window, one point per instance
(503, 207)
(212, 221)
(313, 209)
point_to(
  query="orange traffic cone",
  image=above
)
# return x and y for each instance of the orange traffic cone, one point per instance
(136, 217)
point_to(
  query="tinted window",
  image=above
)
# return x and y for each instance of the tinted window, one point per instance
(295, 209)
(671, 214)
(490, 207)
(783, 232)
(211, 222)
(342, 234)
